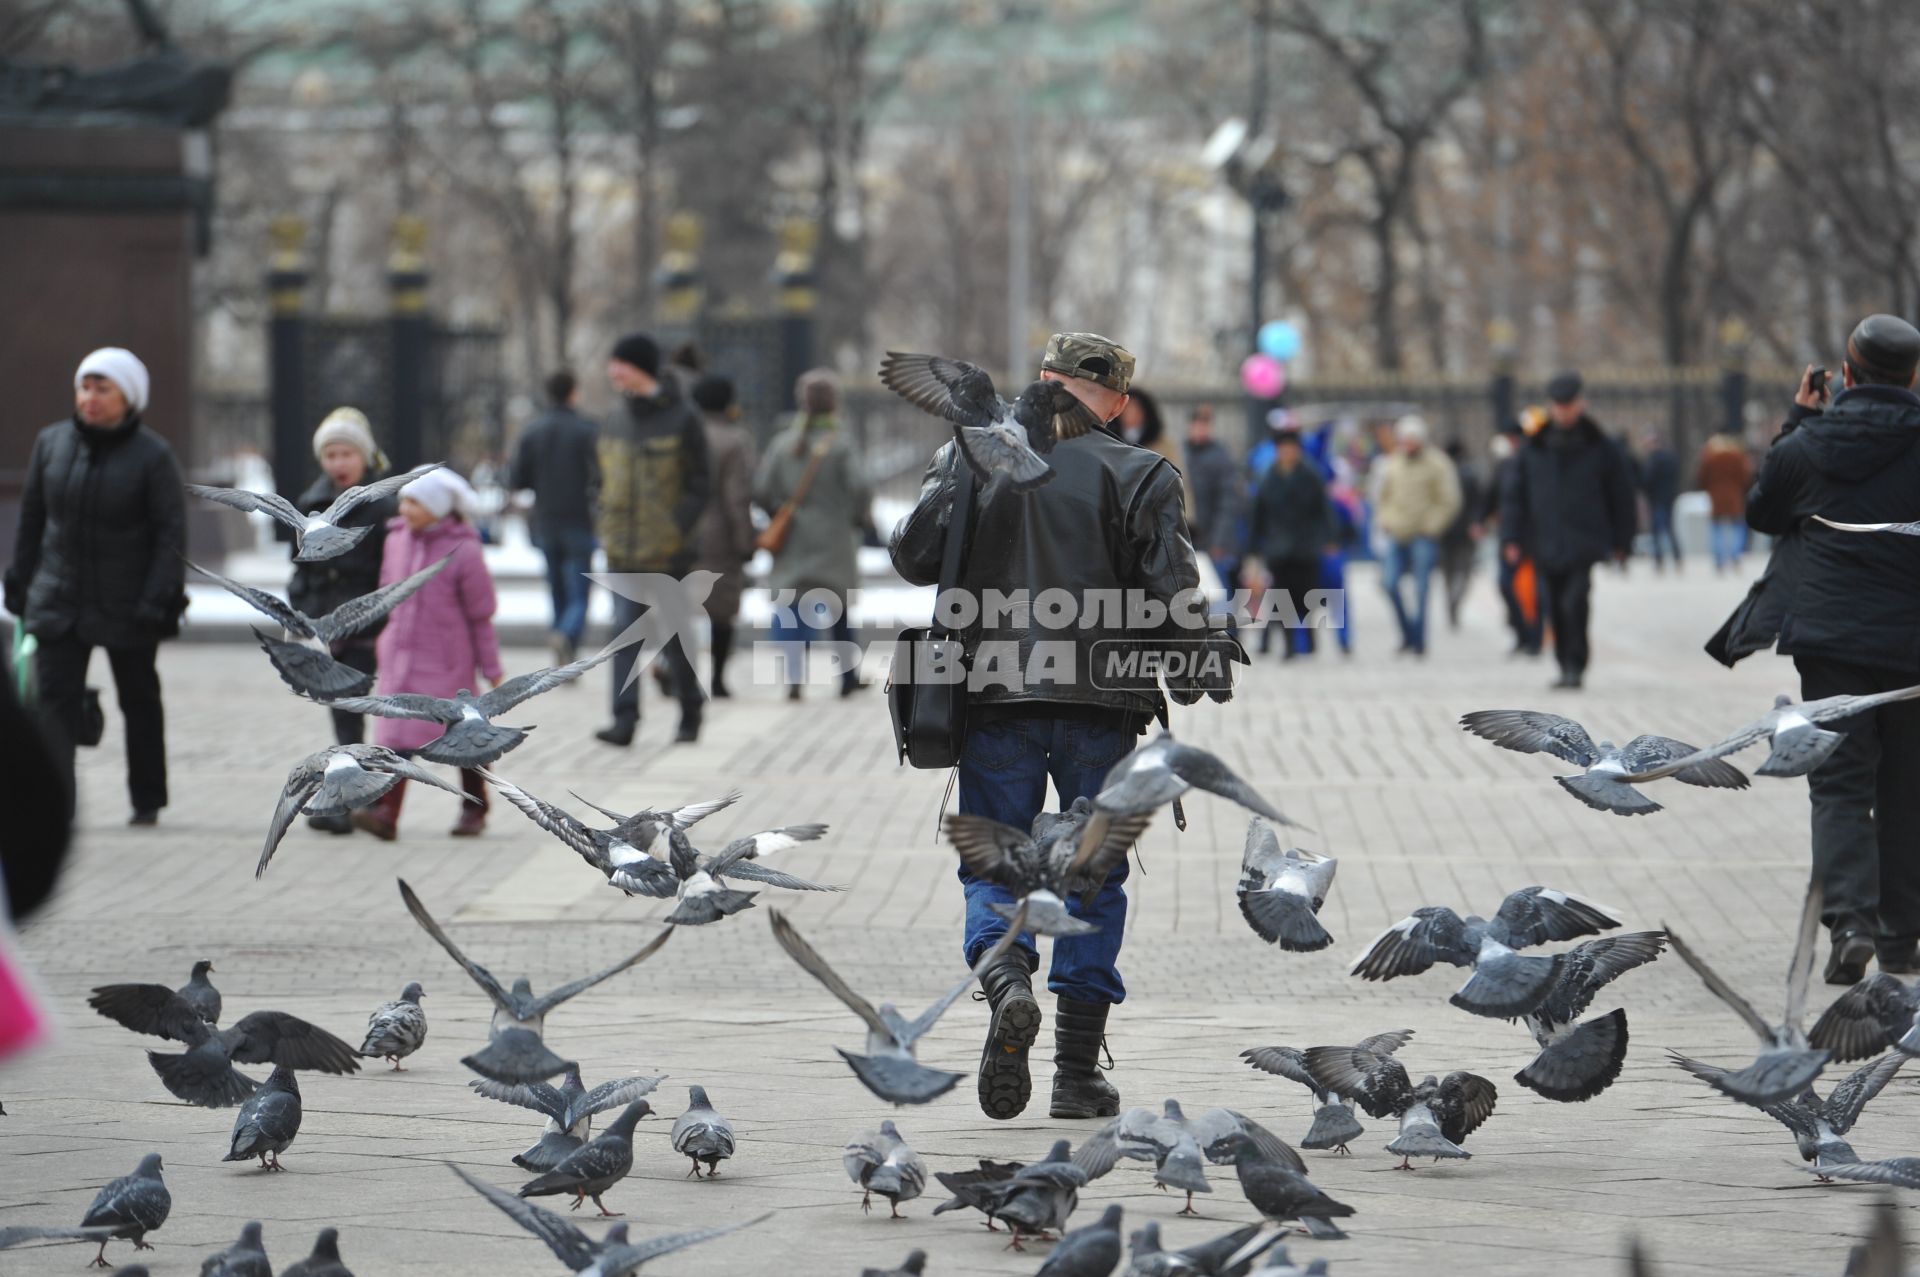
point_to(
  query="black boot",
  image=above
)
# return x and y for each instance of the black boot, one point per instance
(718, 651)
(1005, 1084)
(1079, 1033)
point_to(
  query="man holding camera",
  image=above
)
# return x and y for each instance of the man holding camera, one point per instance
(1852, 626)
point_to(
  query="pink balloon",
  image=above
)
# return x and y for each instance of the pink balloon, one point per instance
(1262, 376)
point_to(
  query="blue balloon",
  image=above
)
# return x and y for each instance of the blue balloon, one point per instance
(1279, 339)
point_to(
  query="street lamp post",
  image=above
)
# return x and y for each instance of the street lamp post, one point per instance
(1020, 18)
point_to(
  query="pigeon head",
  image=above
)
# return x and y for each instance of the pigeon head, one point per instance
(1110, 1219)
(1607, 747)
(1145, 1239)
(1061, 1151)
(464, 694)
(616, 1236)
(630, 1117)
(523, 988)
(1782, 701)
(413, 993)
(281, 1079)
(1171, 1109)
(149, 1167)
(202, 969)
(1081, 806)
(888, 1129)
(697, 1096)
(916, 1262)
(326, 1245)
(250, 1236)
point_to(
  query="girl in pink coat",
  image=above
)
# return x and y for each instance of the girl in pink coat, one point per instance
(439, 641)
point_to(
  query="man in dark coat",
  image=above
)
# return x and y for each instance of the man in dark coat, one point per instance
(1568, 505)
(1852, 625)
(558, 460)
(1293, 522)
(99, 562)
(1660, 484)
(1219, 486)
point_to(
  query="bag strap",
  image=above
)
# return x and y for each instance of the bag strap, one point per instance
(955, 548)
(801, 488)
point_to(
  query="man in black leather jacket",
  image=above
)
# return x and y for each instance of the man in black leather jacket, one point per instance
(1058, 689)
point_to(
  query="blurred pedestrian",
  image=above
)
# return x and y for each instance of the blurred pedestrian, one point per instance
(1293, 524)
(344, 445)
(1660, 485)
(1418, 498)
(812, 469)
(1516, 575)
(654, 485)
(1218, 486)
(558, 460)
(1142, 424)
(726, 529)
(99, 561)
(1460, 543)
(1569, 506)
(1852, 626)
(1725, 474)
(441, 639)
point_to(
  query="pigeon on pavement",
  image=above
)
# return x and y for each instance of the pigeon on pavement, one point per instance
(595, 1167)
(1798, 746)
(1231, 1255)
(994, 436)
(1786, 1063)
(1281, 891)
(701, 1135)
(1044, 868)
(1578, 1058)
(914, 1265)
(889, 1068)
(471, 738)
(514, 1050)
(569, 1108)
(247, 1257)
(1032, 1200)
(614, 1255)
(1504, 983)
(1279, 1191)
(396, 1030)
(1093, 1251)
(633, 854)
(1877, 1013)
(1179, 1149)
(1435, 1117)
(204, 1073)
(316, 536)
(881, 1162)
(268, 1120)
(1817, 1124)
(339, 779)
(1334, 1125)
(323, 1260)
(129, 1207)
(1604, 785)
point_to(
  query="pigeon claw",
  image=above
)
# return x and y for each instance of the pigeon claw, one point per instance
(896, 1212)
(604, 1212)
(1406, 1164)
(866, 1203)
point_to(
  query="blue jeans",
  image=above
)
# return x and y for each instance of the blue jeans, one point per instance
(1004, 768)
(1729, 541)
(793, 629)
(1416, 556)
(1660, 532)
(569, 554)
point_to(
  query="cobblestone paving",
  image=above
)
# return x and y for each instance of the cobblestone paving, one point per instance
(1366, 751)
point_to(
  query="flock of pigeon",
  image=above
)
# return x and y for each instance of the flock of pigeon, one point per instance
(1281, 892)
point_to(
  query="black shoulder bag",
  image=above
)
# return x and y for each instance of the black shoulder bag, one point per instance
(927, 687)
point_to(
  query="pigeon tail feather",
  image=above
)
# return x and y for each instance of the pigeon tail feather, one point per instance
(1800, 753)
(1603, 794)
(1333, 1125)
(1583, 1063)
(1285, 919)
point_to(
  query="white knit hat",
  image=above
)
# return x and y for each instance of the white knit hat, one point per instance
(442, 491)
(351, 427)
(123, 368)
(1411, 428)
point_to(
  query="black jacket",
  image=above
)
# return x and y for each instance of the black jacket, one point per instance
(1858, 597)
(1292, 517)
(318, 588)
(1569, 503)
(1660, 477)
(103, 535)
(1219, 492)
(1111, 521)
(558, 459)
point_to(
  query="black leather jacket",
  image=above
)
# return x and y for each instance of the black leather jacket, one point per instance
(1111, 523)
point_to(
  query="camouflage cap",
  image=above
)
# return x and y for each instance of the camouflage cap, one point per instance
(1090, 357)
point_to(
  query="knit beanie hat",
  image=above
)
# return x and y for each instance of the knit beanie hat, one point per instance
(713, 393)
(351, 427)
(442, 491)
(640, 350)
(123, 368)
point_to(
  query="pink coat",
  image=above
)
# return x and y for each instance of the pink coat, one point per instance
(441, 639)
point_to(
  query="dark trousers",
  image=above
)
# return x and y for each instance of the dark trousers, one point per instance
(61, 667)
(1569, 594)
(1866, 804)
(626, 689)
(356, 654)
(1660, 532)
(1294, 578)
(1526, 633)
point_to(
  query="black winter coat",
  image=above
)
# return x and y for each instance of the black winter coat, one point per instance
(318, 588)
(1292, 517)
(558, 460)
(103, 535)
(1858, 597)
(1569, 503)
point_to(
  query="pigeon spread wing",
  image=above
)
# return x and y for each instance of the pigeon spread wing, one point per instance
(274, 1037)
(917, 1028)
(480, 975)
(1537, 915)
(526, 686)
(1644, 752)
(267, 503)
(1071, 418)
(554, 997)
(1720, 988)
(948, 388)
(303, 782)
(1903, 529)
(1205, 771)
(1462, 1103)
(357, 614)
(1866, 1018)
(560, 824)
(1829, 708)
(310, 671)
(1282, 1061)
(430, 709)
(1214, 1127)
(816, 966)
(150, 1008)
(1093, 859)
(541, 1097)
(1378, 1083)
(628, 1258)
(1386, 1043)
(987, 848)
(1529, 731)
(1858, 1088)
(287, 616)
(568, 1244)
(612, 1095)
(1413, 944)
(344, 504)
(1800, 965)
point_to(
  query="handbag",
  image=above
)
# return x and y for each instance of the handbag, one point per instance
(927, 686)
(774, 536)
(93, 720)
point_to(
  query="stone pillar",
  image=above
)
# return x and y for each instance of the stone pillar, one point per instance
(286, 358)
(412, 338)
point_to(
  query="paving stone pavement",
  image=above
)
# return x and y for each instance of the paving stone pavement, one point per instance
(1365, 750)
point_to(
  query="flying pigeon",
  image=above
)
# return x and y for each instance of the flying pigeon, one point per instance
(204, 1073)
(1817, 1124)
(1896, 1172)
(514, 1051)
(339, 779)
(1578, 1058)
(613, 1256)
(129, 1207)
(1093, 1251)
(596, 1166)
(1231, 1255)
(198, 992)
(471, 738)
(881, 1162)
(1179, 1149)
(889, 1068)
(704, 895)
(632, 855)
(1032, 1200)
(1435, 1117)
(1334, 1125)
(1279, 1191)
(396, 1030)
(1044, 868)
(914, 1265)
(1877, 1013)
(702, 1135)
(1161, 770)
(247, 1257)
(1902, 529)
(994, 436)
(1504, 983)
(1281, 891)
(309, 667)
(268, 1120)
(1786, 1063)
(1798, 746)
(323, 1261)
(1603, 786)
(317, 536)
(569, 1108)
